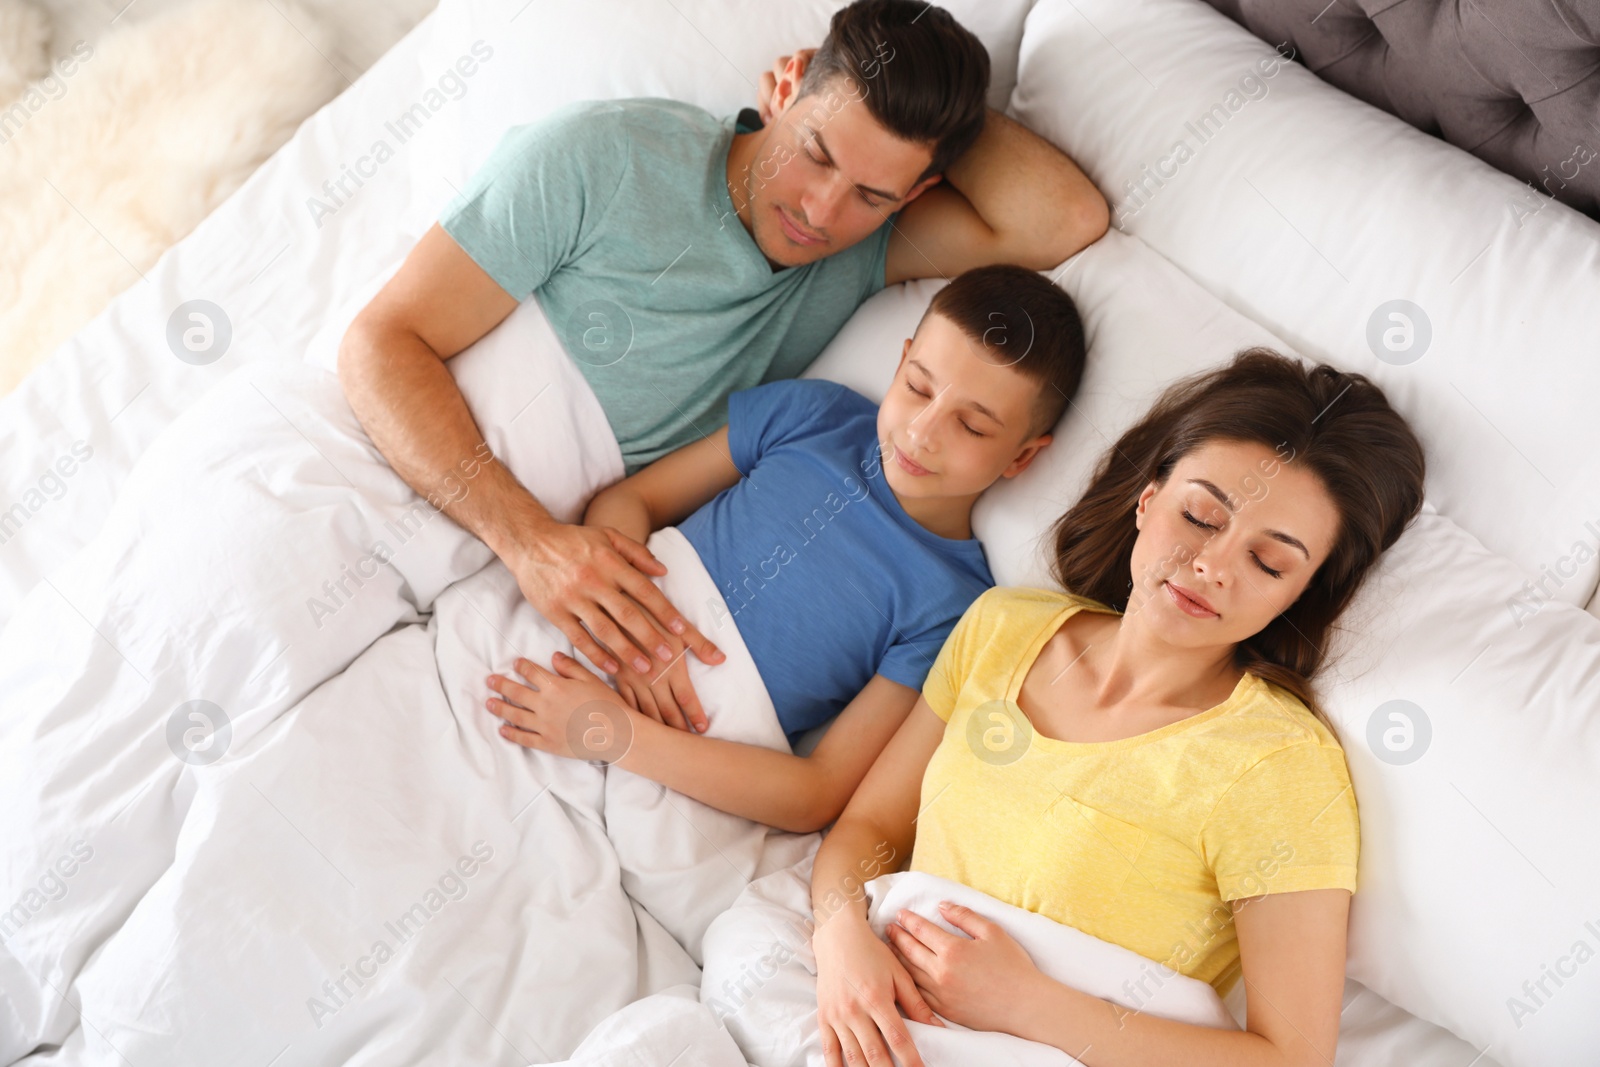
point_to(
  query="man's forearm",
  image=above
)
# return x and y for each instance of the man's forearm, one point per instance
(411, 407)
(1023, 185)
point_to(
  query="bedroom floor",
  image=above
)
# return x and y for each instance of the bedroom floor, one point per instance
(365, 29)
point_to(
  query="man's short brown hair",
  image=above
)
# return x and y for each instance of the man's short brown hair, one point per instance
(924, 76)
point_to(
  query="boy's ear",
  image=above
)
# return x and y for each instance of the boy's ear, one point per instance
(1026, 454)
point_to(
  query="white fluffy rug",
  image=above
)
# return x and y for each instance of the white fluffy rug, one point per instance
(119, 148)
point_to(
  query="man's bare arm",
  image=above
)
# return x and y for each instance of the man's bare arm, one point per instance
(392, 368)
(1013, 197)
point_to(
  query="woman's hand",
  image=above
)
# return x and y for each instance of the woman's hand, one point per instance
(859, 982)
(982, 981)
(569, 712)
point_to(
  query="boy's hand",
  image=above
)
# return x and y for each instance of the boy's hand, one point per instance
(567, 712)
(665, 693)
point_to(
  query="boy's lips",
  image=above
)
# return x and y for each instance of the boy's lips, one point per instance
(915, 469)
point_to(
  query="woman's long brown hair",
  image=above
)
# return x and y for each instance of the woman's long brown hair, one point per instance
(1339, 426)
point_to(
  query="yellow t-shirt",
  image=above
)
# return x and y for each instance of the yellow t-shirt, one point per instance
(1138, 841)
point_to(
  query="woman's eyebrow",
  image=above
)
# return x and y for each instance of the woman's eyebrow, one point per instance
(1276, 535)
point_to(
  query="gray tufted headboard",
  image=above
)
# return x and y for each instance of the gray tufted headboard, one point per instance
(1514, 82)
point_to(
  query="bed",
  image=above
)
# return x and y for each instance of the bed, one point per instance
(1253, 204)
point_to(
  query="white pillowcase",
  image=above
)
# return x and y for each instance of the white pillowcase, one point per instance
(712, 53)
(1310, 212)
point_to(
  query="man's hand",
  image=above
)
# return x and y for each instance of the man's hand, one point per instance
(592, 583)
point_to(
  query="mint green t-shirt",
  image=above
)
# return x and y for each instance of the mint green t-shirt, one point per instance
(616, 215)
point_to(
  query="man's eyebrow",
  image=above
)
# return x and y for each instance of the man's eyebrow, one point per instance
(817, 136)
(973, 404)
(1276, 535)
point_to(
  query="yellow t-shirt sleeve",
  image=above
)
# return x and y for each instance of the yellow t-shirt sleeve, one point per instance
(1288, 823)
(954, 663)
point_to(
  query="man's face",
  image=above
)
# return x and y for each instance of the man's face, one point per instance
(824, 174)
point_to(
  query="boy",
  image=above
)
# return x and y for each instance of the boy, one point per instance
(841, 539)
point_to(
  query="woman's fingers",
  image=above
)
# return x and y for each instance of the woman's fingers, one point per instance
(849, 1048)
(910, 999)
(930, 934)
(892, 1031)
(913, 952)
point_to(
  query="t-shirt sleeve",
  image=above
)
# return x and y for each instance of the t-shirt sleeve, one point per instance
(1289, 823)
(955, 659)
(878, 267)
(536, 202)
(909, 659)
(766, 416)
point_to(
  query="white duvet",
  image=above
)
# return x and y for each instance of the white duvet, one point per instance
(252, 804)
(242, 738)
(757, 1001)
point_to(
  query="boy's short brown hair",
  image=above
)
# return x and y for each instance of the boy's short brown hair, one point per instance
(924, 76)
(1020, 319)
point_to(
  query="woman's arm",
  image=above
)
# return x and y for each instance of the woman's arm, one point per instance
(1291, 949)
(798, 793)
(858, 979)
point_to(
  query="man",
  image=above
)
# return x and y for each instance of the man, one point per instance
(681, 258)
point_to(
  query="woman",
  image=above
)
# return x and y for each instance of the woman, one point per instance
(1142, 757)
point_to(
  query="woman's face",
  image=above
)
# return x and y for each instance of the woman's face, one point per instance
(1227, 543)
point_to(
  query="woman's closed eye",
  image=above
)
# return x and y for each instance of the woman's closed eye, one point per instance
(1208, 526)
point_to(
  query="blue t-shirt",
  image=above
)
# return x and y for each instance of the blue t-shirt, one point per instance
(829, 579)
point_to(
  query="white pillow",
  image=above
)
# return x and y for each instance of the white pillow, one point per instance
(550, 53)
(1310, 212)
(1146, 324)
(1453, 912)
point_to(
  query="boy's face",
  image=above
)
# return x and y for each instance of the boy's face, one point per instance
(956, 417)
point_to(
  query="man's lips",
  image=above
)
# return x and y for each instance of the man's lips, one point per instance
(1191, 603)
(798, 236)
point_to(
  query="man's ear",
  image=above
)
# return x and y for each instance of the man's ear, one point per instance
(917, 189)
(787, 88)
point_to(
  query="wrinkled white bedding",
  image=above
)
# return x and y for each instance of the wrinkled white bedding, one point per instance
(379, 845)
(759, 986)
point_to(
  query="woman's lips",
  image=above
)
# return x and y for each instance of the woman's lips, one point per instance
(1190, 604)
(795, 235)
